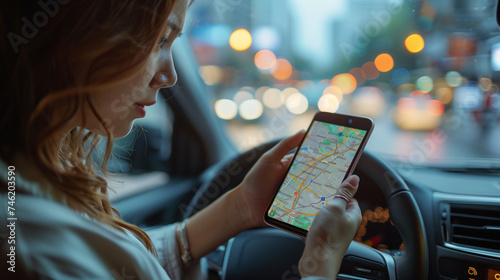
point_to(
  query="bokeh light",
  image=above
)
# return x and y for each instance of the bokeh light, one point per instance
(370, 70)
(282, 70)
(485, 84)
(247, 88)
(406, 89)
(444, 94)
(211, 74)
(345, 82)
(265, 59)
(324, 82)
(424, 84)
(359, 75)
(251, 109)
(297, 103)
(328, 103)
(241, 96)
(266, 37)
(406, 105)
(305, 84)
(418, 113)
(368, 101)
(260, 91)
(240, 40)
(420, 94)
(414, 43)
(384, 62)
(334, 91)
(400, 76)
(273, 98)
(226, 109)
(289, 91)
(453, 78)
(435, 107)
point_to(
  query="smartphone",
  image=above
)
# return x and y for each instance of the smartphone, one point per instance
(326, 156)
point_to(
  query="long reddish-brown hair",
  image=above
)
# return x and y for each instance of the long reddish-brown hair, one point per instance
(49, 70)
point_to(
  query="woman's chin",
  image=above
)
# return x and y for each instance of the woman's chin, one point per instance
(116, 131)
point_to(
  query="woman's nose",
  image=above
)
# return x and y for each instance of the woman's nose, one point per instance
(165, 76)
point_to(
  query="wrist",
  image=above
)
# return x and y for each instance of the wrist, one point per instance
(320, 261)
(183, 243)
(238, 215)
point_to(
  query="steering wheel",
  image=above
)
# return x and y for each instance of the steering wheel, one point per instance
(268, 253)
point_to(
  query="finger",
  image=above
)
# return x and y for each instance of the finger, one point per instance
(284, 146)
(287, 159)
(346, 192)
(353, 209)
(353, 206)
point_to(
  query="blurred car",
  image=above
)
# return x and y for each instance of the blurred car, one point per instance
(252, 72)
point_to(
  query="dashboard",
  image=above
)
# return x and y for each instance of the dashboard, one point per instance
(461, 212)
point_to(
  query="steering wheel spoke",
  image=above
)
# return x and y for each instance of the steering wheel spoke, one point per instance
(363, 262)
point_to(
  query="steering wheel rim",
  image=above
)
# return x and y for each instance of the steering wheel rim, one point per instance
(405, 215)
(404, 211)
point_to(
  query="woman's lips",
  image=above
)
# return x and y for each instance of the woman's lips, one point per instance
(141, 107)
(147, 104)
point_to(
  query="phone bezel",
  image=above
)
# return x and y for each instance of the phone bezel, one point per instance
(352, 121)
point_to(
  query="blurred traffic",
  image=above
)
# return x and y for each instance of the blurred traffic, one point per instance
(415, 67)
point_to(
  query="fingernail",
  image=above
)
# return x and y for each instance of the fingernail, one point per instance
(353, 180)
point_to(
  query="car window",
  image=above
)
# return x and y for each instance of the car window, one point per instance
(425, 71)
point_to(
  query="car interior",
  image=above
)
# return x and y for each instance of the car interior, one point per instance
(430, 185)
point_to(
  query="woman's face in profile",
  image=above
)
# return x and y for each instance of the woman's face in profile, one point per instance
(129, 99)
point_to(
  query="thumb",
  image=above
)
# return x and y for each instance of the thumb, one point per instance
(276, 153)
(346, 191)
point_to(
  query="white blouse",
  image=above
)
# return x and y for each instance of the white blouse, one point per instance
(51, 241)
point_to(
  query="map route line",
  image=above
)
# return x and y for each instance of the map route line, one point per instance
(320, 158)
(290, 210)
(327, 178)
(315, 202)
(316, 162)
(302, 187)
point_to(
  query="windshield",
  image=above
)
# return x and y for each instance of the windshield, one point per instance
(425, 71)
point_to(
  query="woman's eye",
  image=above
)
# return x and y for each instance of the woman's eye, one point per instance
(162, 41)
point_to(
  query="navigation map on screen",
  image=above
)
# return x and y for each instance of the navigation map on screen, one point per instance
(316, 173)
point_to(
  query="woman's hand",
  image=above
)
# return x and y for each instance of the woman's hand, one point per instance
(333, 228)
(331, 233)
(243, 207)
(261, 182)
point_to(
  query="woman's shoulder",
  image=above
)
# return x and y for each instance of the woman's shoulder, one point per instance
(52, 239)
(34, 212)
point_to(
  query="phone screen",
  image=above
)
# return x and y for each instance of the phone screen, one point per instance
(319, 167)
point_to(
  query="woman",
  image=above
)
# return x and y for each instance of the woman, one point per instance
(74, 72)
